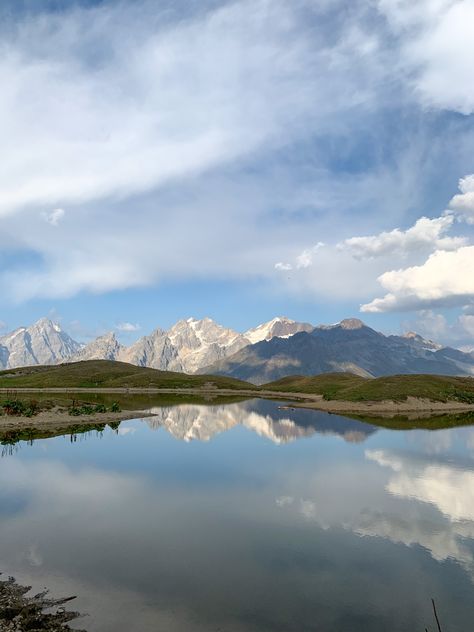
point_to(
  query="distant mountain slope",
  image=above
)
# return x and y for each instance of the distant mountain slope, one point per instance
(349, 346)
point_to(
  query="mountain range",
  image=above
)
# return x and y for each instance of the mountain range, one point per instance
(270, 351)
(348, 346)
(187, 346)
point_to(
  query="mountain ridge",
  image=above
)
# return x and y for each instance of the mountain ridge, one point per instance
(185, 347)
(272, 350)
(349, 346)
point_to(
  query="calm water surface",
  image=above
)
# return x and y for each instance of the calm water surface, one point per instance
(246, 517)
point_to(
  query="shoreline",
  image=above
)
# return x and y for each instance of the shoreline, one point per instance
(57, 420)
(387, 407)
(60, 418)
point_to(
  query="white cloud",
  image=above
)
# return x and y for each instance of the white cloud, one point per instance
(425, 234)
(457, 331)
(127, 327)
(283, 266)
(163, 101)
(467, 323)
(436, 49)
(120, 135)
(53, 217)
(155, 131)
(446, 278)
(430, 324)
(302, 261)
(463, 203)
(305, 259)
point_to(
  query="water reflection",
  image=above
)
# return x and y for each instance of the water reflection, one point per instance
(239, 534)
(280, 424)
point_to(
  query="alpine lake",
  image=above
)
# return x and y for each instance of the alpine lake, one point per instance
(246, 515)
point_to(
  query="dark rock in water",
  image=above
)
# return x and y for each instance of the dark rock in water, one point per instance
(19, 612)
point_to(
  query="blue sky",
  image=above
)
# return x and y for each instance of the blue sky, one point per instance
(239, 160)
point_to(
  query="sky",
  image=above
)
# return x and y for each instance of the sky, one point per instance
(239, 160)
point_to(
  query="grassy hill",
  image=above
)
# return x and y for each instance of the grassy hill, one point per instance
(110, 374)
(342, 386)
(348, 387)
(327, 384)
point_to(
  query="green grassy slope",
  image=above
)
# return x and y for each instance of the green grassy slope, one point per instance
(110, 374)
(344, 386)
(327, 384)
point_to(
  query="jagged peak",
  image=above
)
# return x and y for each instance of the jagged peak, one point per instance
(109, 335)
(193, 322)
(281, 319)
(46, 323)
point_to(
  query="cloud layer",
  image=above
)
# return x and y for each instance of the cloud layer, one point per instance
(232, 140)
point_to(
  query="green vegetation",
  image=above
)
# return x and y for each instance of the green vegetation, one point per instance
(102, 374)
(118, 402)
(91, 409)
(19, 408)
(326, 384)
(111, 374)
(348, 387)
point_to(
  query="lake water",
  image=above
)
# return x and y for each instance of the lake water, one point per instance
(246, 517)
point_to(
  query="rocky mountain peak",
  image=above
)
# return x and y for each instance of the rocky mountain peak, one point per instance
(279, 327)
(351, 323)
(44, 342)
(201, 342)
(412, 336)
(46, 324)
(105, 347)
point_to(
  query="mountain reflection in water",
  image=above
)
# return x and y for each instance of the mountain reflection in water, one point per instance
(280, 424)
(251, 530)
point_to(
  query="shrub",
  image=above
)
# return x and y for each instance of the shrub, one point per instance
(14, 407)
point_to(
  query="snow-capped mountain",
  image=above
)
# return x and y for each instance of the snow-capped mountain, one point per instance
(274, 349)
(41, 343)
(279, 327)
(199, 340)
(187, 346)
